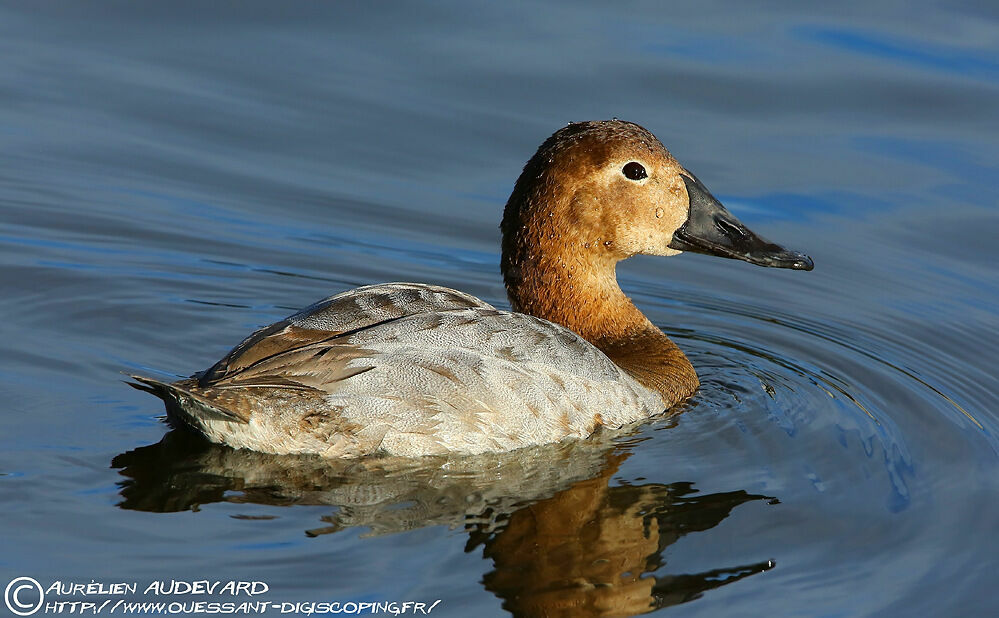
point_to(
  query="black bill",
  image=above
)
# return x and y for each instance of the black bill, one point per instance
(712, 230)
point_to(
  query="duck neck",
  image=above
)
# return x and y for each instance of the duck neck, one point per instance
(577, 288)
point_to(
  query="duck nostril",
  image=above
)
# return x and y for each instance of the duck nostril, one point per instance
(731, 229)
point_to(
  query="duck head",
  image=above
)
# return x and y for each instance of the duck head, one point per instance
(604, 191)
(594, 194)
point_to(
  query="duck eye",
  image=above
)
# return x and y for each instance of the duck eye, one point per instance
(634, 171)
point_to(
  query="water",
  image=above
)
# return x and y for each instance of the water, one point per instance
(173, 176)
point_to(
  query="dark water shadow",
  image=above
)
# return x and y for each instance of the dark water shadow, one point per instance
(562, 539)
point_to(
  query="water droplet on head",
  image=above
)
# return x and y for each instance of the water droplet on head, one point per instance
(659, 213)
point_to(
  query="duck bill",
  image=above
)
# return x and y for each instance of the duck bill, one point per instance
(712, 230)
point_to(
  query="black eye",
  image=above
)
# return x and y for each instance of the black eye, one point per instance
(634, 171)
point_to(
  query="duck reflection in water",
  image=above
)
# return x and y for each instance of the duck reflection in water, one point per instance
(562, 539)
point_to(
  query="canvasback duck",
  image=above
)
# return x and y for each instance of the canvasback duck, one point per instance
(411, 369)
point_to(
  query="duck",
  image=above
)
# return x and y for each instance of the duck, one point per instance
(412, 369)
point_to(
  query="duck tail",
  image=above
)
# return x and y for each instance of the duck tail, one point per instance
(181, 401)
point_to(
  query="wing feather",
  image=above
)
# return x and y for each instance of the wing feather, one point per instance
(310, 349)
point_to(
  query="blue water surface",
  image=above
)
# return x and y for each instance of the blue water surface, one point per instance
(174, 175)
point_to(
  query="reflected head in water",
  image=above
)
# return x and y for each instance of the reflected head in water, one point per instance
(590, 549)
(562, 539)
